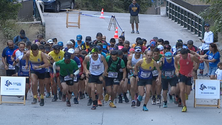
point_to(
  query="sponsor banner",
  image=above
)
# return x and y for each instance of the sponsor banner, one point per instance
(13, 85)
(207, 89)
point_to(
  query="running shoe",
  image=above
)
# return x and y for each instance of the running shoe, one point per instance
(34, 101)
(89, 102)
(111, 104)
(60, 95)
(138, 103)
(68, 103)
(41, 102)
(133, 104)
(153, 100)
(76, 101)
(120, 99)
(48, 95)
(126, 99)
(63, 98)
(145, 108)
(165, 105)
(158, 100)
(106, 97)
(132, 31)
(184, 109)
(54, 99)
(81, 95)
(137, 32)
(99, 103)
(93, 107)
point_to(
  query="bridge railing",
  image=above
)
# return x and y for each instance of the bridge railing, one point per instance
(186, 18)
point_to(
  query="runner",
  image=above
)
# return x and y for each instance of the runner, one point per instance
(6, 58)
(68, 72)
(38, 62)
(97, 69)
(112, 80)
(144, 77)
(156, 87)
(132, 60)
(185, 60)
(168, 77)
(55, 56)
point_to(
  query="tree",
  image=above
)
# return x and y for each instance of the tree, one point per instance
(214, 14)
(8, 10)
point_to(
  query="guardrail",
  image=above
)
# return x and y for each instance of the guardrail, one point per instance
(186, 18)
(38, 13)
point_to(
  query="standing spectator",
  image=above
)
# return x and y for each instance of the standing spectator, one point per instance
(6, 58)
(134, 10)
(20, 37)
(213, 59)
(219, 75)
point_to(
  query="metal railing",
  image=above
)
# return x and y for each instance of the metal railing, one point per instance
(186, 18)
(38, 12)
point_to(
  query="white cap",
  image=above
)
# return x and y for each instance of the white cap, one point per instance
(50, 41)
(69, 43)
(71, 50)
(160, 47)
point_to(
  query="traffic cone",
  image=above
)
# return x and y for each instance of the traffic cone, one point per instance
(116, 34)
(102, 17)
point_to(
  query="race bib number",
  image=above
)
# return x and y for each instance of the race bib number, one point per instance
(24, 69)
(169, 73)
(112, 74)
(67, 78)
(155, 72)
(145, 74)
(75, 79)
(11, 67)
(95, 67)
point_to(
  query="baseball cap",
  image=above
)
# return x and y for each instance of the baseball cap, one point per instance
(132, 50)
(50, 41)
(69, 43)
(190, 42)
(153, 44)
(67, 55)
(47, 49)
(114, 52)
(60, 43)
(88, 39)
(79, 37)
(168, 55)
(207, 25)
(56, 47)
(22, 33)
(71, 51)
(137, 49)
(160, 47)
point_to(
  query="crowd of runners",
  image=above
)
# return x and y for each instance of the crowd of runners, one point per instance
(104, 70)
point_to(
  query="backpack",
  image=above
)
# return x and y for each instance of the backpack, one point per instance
(118, 64)
(16, 40)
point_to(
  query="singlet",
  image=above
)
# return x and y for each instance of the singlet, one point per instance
(145, 71)
(155, 72)
(186, 66)
(96, 67)
(134, 60)
(57, 57)
(36, 61)
(168, 69)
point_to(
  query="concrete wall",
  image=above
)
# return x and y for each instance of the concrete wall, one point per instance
(195, 8)
(26, 11)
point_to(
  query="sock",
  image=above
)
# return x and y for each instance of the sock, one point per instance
(144, 105)
(42, 97)
(35, 96)
(124, 94)
(94, 102)
(120, 95)
(165, 102)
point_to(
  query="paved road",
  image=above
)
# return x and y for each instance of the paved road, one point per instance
(57, 113)
(150, 26)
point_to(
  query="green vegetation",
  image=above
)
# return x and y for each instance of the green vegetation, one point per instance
(111, 5)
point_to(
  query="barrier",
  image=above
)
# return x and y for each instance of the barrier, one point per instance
(12, 86)
(69, 11)
(185, 18)
(207, 89)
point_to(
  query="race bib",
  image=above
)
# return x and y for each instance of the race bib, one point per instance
(47, 69)
(95, 67)
(11, 67)
(169, 73)
(121, 70)
(145, 74)
(75, 79)
(24, 69)
(112, 74)
(67, 78)
(155, 72)
(36, 65)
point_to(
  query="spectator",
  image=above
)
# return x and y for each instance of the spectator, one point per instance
(20, 37)
(134, 10)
